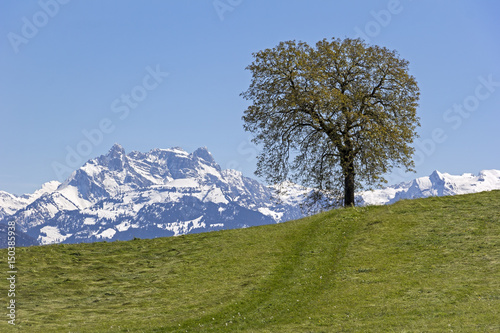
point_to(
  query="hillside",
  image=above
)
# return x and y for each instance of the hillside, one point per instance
(425, 265)
(170, 192)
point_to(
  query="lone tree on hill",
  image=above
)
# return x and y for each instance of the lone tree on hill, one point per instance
(335, 117)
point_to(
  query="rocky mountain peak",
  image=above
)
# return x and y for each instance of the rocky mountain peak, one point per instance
(116, 150)
(115, 159)
(204, 154)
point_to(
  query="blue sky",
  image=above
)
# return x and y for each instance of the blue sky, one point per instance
(79, 76)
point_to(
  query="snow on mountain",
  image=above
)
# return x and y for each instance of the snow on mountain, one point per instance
(160, 193)
(437, 184)
(46, 188)
(10, 203)
(168, 192)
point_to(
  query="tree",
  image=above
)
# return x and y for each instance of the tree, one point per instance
(335, 117)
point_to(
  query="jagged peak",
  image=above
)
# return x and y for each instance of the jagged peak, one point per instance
(174, 150)
(115, 159)
(47, 187)
(117, 149)
(204, 154)
(177, 148)
(436, 175)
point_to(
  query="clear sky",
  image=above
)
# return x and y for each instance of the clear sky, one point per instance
(78, 76)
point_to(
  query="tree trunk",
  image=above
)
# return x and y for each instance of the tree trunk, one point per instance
(349, 184)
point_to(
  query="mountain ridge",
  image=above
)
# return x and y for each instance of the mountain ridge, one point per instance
(436, 184)
(168, 192)
(163, 192)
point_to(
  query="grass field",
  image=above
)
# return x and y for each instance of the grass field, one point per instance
(427, 265)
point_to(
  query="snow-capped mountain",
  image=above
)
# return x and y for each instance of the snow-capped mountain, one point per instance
(437, 184)
(10, 203)
(160, 193)
(167, 192)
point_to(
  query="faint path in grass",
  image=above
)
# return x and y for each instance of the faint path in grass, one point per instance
(309, 252)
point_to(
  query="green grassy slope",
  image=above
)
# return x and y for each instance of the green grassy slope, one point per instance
(428, 265)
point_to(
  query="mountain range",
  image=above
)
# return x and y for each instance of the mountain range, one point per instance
(169, 192)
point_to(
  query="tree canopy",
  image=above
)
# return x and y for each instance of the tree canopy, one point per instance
(335, 117)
